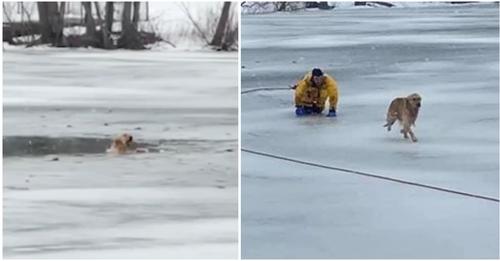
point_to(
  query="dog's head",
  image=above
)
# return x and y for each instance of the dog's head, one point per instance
(126, 139)
(415, 100)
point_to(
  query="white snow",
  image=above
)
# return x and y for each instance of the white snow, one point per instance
(449, 55)
(180, 203)
(74, 30)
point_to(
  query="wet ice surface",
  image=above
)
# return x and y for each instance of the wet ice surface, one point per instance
(64, 197)
(447, 54)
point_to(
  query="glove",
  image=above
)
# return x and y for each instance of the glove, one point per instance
(332, 113)
(300, 111)
(303, 110)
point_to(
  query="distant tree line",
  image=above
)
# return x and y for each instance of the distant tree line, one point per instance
(287, 6)
(99, 31)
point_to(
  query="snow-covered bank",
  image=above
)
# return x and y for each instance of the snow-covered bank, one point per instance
(167, 19)
(448, 54)
(253, 7)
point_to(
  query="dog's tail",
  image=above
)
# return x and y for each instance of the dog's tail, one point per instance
(389, 124)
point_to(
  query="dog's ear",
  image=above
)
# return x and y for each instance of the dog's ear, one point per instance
(415, 96)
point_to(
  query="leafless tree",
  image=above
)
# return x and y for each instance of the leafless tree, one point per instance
(130, 37)
(281, 6)
(195, 24)
(51, 23)
(257, 7)
(109, 16)
(136, 16)
(106, 40)
(222, 25)
(89, 19)
(98, 25)
(62, 9)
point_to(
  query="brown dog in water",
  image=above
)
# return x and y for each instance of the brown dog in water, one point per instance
(122, 144)
(404, 110)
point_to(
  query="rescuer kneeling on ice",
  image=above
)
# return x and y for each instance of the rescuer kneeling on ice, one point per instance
(312, 92)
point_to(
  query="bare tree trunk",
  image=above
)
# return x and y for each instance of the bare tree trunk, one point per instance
(109, 16)
(45, 28)
(106, 41)
(221, 26)
(7, 32)
(147, 11)
(230, 38)
(62, 9)
(56, 23)
(130, 37)
(60, 41)
(51, 23)
(136, 17)
(89, 19)
(126, 15)
(281, 6)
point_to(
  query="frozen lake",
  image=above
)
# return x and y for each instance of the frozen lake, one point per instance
(448, 54)
(64, 197)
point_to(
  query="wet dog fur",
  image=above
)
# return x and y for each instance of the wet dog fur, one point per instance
(122, 144)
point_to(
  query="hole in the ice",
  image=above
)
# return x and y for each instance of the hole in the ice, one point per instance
(38, 146)
(41, 146)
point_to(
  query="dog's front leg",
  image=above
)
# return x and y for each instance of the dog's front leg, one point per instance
(407, 129)
(413, 137)
(403, 131)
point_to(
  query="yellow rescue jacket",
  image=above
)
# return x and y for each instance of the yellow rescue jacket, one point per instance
(308, 95)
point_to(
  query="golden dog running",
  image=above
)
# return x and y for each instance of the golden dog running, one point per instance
(404, 110)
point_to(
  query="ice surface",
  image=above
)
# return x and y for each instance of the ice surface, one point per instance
(294, 211)
(448, 54)
(180, 202)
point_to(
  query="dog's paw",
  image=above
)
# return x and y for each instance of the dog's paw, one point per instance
(405, 135)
